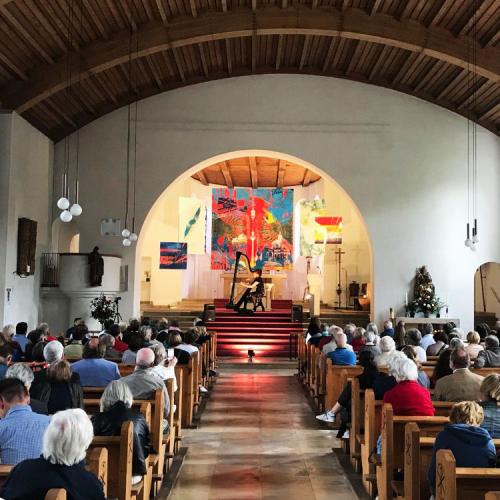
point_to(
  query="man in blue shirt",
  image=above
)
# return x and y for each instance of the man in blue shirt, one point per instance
(93, 370)
(21, 430)
(20, 336)
(341, 355)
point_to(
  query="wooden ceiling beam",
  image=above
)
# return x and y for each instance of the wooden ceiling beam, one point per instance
(162, 11)
(202, 177)
(280, 181)
(307, 178)
(305, 52)
(375, 6)
(279, 50)
(99, 56)
(254, 172)
(229, 56)
(203, 59)
(224, 168)
(224, 5)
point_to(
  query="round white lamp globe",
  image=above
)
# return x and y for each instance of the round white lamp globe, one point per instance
(473, 247)
(125, 233)
(126, 242)
(66, 216)
(76, 210)
(63, 203)
(133, 237)
(475, 239)
(468, 242)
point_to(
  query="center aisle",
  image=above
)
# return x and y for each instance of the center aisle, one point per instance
(258, 439)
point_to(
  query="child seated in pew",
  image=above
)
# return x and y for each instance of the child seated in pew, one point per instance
(471, 445)
(343, 405)
(116, 408)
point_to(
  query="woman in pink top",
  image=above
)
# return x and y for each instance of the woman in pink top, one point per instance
(474, 347)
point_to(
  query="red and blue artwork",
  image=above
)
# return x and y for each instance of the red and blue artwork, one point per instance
(173, 255)
(257, 222)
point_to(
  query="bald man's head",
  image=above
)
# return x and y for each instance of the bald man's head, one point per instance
(145, 358)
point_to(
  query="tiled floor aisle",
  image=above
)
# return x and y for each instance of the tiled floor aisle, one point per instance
(258, 439)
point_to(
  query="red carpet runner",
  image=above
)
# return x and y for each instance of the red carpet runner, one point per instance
(267, 333)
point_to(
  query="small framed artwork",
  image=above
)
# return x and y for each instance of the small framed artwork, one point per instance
(173, 255)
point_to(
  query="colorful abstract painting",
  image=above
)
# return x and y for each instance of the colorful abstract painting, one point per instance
(173, 255)
(332, 227)
(257, 222)
(312, 235)
(192, 224)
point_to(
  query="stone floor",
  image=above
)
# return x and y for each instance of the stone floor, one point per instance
(258, 439)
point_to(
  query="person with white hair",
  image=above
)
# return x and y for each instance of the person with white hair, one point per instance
(164, 367)
(144, 381)
(6, 354)
(341, 355)
(61, 465)
(349, 330)
(386, 381)
(386, 346)
(23, 372)
(388, 330)
(8, 331)
(116, 408)
(370, 345)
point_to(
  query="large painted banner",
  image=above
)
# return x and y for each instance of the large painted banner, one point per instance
(332, 227)
(192, 224)
(257, 222)
(312, 235)
(173, 255)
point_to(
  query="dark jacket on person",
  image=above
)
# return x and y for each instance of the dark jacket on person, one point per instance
(388, 332)
(488, 358)
(471, 446)
(382, 384)
(109, 423)
(491, 420)
(59, 395)
(39, 407)
(31, 479)
(182, 356)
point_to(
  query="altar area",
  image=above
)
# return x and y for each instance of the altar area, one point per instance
(272, 281)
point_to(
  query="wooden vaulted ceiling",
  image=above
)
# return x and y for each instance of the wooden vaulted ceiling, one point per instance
(419, 47)
(256, 172)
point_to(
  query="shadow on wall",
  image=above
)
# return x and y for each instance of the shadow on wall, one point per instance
(487, 292)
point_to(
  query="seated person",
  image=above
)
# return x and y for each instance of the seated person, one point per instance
(174, 340)
(411, 353)
(470, 444)
(189, 343)
(116, 332)
(408, 397)
(6, 353)
(20, 336)
(313, 329)
(164, 367)
(321, 340)
(21, 430)
(490, 356)
(95, 371)
(144, 381)
(108, 342)
(490, 395)
(358, 339)
(414, 337)
(462, 384)
(135, 342)
(386, 381)
(439, 345)
(58, 390)
(427, 337)
(474, 347)
(386, 346)
(370, 345)
(343, 405)
(388, 330)
(22, 372)
(257, 290)
(116, 408)
(330, 343)
(442, 368)
(75, 348)
(341, 355)
(62, 464)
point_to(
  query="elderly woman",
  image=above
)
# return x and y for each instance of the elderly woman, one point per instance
(440, 344)
(116, 408)
(61, 465)
(369, 337)
(174, 340)
(490, 391)
(163, 366)
(23, 373)
(410, 352)
(108, 342)
(490, 356)
(387, 346)
(470, 444)
(474, 347)
(358, 340)
(414, 337)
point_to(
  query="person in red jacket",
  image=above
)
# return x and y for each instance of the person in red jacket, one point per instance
(408, 397)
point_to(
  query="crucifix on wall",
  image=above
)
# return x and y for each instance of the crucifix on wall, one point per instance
(338, 255)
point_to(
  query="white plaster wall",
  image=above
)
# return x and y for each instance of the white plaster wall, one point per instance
(402, 160)
(25, 190)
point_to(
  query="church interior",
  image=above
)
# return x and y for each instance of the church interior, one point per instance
(249, 248)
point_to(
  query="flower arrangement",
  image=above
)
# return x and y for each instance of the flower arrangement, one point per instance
(102, 308)
(424, 294)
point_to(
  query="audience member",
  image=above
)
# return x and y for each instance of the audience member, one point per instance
(8, 331)
(52, 353)
(388, 330)
(470, 444)
(411, 353)
(58, 391)
(115, 331)
(144, 381)
(387, 346)
(107, 341)
(490, 392)
(372, 327)
(427, 337)
(331, 345)
(462, 384)
(95, 371)
(116, 408)
(75, 347)
(174, 339)
(135, 342)
(22, 372)
(400, 335)
(314, 328)
(408, 397)
(386, 381)
(146, 333)
(369, 345)
(358, 339)
(349, 330)
(189, 343)
(483, 329)
(20, 336)
(341, 355)
(6, 352)
(162, 330)
(414, 337)
(61, 465)
(34, 337)
(44, 327)
(21, 430)
(490, 356)
(442, 368)
(474, 347)
(439, 345)
(71, 329)
(106, 326)
(456, 342)
(163, 366)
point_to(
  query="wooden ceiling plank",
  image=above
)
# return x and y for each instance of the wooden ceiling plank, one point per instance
(178, 64)
(254, 51)
(280, 181)
(355, 58)
(329, 54)
(105, 86)
(475, 16)
(284, 4)
(490, 112)
(129, 15)
(154, 70)
(408, 9)
(192, 4)
(229, 56)
(314, 4)
(451, 85)
(307, 177)
(254, 173)
(46, 24)
(305, 51)
(202, 177)
(279, 50)
(203, 59)
(116, 15)
(441, 12)
(60, 23)
(375, 7)
(12, 65)
(475, 95)
(162, 11)
(254, 5)
(378, 62)
(224, 168)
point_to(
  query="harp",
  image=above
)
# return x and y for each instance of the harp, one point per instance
(241, 267)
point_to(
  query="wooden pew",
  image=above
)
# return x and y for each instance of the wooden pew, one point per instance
(418, 456)
(392, 457)
(188, 392)
(56, 494)
(462, 483)
(492, 495)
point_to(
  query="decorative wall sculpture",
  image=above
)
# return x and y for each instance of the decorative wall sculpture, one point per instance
(311, 233)
(192, 224)
(257, 222)
(173, 255)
